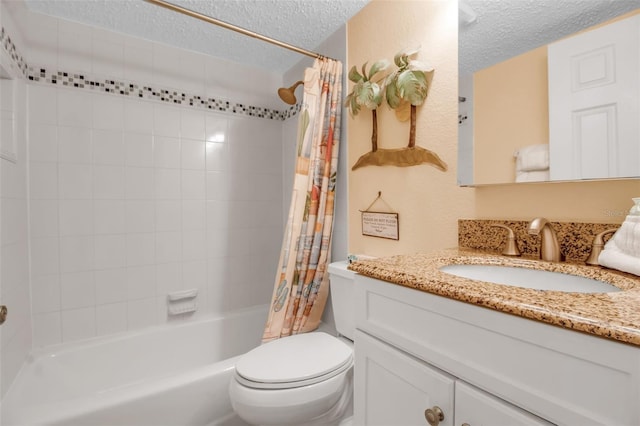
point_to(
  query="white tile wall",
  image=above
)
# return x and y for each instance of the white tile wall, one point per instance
(42, 39)
(108, 147)
(43, 143)
(15, 338)
(16, 332)
(132, 199)
(125, 211)
(74, 145)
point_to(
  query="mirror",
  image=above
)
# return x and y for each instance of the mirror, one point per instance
(497, 40)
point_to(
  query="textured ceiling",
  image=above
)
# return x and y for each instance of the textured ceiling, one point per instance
(303, 23)
(505, 28)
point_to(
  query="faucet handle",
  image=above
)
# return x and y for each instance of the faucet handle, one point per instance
(596, 247)
(511, 248)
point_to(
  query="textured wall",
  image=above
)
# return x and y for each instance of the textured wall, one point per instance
(511, 111)
(427, 200)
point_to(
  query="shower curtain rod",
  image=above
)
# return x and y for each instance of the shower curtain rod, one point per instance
(235, 28)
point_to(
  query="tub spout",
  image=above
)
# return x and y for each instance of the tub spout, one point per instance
(549, 246)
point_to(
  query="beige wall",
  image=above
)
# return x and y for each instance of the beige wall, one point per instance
(588, 201)
(511, 111)
(428, 201)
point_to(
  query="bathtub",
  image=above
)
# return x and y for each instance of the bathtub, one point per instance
(165, 375)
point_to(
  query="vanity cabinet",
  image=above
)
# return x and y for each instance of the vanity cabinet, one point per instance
(477, 408)
(415, 351)
(394, 388)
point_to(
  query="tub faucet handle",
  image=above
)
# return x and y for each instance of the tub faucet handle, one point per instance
(511, 247)
(596, 247)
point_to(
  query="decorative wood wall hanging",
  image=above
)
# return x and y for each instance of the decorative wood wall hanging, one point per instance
(405, 89)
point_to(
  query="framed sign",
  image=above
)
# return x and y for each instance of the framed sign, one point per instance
(378, 224)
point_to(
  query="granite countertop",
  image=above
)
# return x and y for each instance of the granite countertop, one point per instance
(613, 316)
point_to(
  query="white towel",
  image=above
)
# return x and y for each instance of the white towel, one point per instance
(534, 176)
(622, 251)
(532, 158)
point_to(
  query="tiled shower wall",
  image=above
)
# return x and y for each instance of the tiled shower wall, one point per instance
(15, 333)
(15, 339)
(134, 197)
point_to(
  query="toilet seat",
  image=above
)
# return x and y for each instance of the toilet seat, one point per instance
(294, 361)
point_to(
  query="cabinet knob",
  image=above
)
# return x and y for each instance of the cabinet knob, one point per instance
(465, 424)
(434, 415)
(3, 314)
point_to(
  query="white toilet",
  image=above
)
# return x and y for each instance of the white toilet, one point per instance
(305, 379)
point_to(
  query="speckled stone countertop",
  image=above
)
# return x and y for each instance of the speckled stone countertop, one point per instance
(613, 316)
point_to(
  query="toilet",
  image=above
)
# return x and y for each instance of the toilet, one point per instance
(304, 379)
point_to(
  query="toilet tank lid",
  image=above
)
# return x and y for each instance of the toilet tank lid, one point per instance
(294, 358)
(340, 269)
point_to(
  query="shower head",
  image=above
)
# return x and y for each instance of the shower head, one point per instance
(287, 93)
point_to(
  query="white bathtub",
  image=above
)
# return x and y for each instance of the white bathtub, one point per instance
(167, 375)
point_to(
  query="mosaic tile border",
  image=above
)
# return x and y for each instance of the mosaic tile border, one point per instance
(131, 89)
(10, 47)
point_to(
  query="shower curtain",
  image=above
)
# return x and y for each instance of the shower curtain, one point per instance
(301, 284)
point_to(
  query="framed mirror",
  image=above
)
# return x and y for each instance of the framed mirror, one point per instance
(504, 86)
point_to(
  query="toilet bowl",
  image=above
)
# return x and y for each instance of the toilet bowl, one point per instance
(304, 379)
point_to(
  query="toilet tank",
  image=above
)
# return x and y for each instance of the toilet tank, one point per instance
(341, 282)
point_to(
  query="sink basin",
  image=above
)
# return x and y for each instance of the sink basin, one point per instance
(529, 278)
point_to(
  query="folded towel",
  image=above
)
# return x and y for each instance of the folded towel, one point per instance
(532, 158)
(534, 176)
(622, 251)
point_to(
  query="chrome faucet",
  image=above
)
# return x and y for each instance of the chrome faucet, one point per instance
(549, 246)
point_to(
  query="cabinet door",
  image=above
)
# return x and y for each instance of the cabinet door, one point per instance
(394, 388)
(477, 408)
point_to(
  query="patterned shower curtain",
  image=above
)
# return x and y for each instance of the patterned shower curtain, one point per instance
(301, 284)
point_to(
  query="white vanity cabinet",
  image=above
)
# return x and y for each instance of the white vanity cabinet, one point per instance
(417, 351)
(394, 388)
(474, 407)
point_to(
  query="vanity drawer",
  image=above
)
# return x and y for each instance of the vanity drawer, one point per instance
(560, 375)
